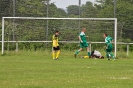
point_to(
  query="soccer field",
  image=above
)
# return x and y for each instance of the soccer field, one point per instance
(37, 70)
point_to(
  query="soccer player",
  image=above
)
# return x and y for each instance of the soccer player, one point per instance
(83, 42)
(109, 49)
(94, 54)
(55, 44)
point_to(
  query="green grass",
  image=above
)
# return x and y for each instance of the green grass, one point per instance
(27, 69)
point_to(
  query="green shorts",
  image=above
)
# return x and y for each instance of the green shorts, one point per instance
(110, 46)
(109, 50)
(84, 45)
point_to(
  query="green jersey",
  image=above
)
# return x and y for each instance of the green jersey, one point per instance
(108, 41)
(83, 36)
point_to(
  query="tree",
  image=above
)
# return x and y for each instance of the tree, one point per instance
(73, 9)
(5, 8)
(56, 12)
(103, 3)
(88, 10)
(61, 12)
(124, 14)
(30, 8)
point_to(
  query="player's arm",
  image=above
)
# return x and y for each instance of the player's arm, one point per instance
(86, 36)
(112, 40)
(80, 39)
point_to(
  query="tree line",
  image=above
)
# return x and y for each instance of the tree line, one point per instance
(38, 8)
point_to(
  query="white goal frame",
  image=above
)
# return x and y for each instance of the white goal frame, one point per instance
(43, 18)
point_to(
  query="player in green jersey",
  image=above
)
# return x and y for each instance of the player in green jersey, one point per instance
(83, 42)
(109, 49)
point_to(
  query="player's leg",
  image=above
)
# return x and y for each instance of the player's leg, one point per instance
(107, 54)
(110, 50)
(88, 49)
(75, 54)
(81, 47)
(78, 51)
(112, 55)
(58, 52)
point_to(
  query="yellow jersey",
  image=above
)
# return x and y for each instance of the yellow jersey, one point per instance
(55, 41)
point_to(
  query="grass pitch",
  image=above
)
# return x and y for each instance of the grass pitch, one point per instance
(28, 69)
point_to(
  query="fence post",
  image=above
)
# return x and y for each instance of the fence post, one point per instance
(90, 46)
(127, 49)
(16, 46)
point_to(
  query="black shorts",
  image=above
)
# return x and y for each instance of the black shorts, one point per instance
(56, 48)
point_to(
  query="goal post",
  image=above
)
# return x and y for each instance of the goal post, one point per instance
(69, 19)
(3, 20)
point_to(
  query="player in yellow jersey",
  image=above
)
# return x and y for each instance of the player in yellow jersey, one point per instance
(55, 45)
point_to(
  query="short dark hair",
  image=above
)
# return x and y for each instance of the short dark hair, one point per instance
(56, 31)
(105, 34)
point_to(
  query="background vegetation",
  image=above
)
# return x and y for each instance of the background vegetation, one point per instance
(25, 29)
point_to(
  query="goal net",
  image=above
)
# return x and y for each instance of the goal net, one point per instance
(39, 30)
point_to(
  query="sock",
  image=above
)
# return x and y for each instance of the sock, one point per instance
(53, 54)
(89, 54)
(112, 55)
(58, 53)
(107, 55)
(77, 52)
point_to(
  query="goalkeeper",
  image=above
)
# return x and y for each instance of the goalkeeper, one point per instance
(109, 49)
(83, 42)
(56, 48)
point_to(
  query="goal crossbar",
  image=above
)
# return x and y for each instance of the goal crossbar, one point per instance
(44, 18)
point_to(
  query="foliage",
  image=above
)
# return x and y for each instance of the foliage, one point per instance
(73, 9)
(38, 8)
(88, 10)
(124, 9)
(5, 8)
